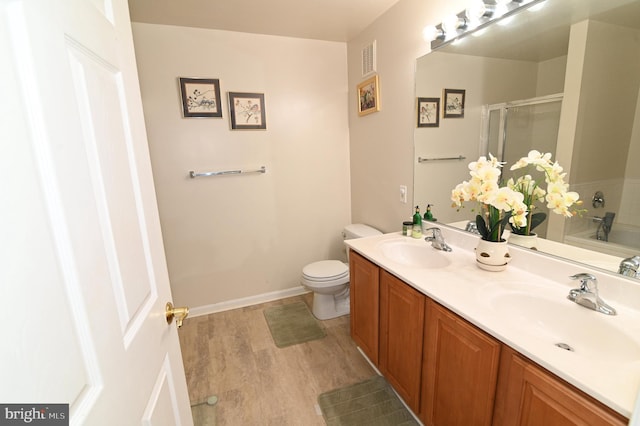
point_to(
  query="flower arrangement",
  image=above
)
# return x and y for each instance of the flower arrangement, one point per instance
(499, 205)
(556, 194)
(514, 204)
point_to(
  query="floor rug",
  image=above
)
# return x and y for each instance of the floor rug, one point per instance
(371, 403)
(292, 324)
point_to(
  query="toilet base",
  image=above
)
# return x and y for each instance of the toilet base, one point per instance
(328, 306)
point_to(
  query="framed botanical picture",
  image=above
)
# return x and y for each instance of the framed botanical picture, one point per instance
(247, 111)
(200, 97)
(453, 103)
(368, 96)
(428, 112)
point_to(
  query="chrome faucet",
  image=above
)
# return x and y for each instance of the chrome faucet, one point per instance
(472, 227)
(604, 226)
(587, 294)
(437, 240)
(630, 267)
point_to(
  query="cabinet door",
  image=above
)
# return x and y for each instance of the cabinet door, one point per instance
(364, 300)
(460, 371)
(401, 333)
(531, 396)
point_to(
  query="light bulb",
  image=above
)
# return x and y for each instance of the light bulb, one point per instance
(429, 32)
(475, 11)
(450, 24)
(499, 10)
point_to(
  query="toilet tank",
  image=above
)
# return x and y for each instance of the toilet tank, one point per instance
(359, 230)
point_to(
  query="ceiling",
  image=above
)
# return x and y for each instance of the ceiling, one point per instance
(332, 20)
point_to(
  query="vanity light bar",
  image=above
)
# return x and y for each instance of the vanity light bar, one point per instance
(452, 29)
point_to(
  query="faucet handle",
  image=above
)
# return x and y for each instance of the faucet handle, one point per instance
(585, 279)
(435, 233)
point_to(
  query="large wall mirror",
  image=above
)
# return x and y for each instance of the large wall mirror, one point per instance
(563, 79)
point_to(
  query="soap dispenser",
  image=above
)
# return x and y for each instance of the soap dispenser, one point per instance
(417, 224)
(428, 215)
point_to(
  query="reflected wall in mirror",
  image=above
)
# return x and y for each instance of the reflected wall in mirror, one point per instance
(585, 54)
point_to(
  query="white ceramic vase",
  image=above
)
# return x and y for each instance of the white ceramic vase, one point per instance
(492, 255)
(528, 241)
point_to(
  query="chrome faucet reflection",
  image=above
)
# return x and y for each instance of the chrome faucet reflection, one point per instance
(604, 225)
(436, 239)
(630, 267)
(587, 294)
(472, 227)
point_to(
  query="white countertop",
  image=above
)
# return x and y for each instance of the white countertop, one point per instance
(611, 377)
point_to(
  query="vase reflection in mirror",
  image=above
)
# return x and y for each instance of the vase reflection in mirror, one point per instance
(527, 241)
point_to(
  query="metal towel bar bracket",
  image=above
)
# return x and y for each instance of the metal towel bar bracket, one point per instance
(193, 174)
(424, 160)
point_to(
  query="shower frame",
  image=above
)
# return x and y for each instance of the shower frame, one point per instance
(502, 129)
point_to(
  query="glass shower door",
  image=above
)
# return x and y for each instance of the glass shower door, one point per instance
(514, 129)
(530, 127)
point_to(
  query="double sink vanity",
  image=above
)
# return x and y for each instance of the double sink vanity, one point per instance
(462, 345)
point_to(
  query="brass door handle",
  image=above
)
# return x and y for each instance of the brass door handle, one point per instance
(178, 313)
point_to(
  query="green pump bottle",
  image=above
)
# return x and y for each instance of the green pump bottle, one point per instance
(416, 232)
(428, 215)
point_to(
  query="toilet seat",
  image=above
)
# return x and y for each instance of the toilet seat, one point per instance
(328, 280)
(327, 272)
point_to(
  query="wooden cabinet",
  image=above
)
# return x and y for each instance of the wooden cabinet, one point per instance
(528, 395)
(401, 331)
(460, 370)
(364, 300)
(448, 371)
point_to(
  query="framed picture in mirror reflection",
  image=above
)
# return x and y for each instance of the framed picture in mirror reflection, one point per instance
(428, 112)
(453, 103)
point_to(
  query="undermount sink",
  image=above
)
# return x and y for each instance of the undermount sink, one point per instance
(560, 322)
(414, 253)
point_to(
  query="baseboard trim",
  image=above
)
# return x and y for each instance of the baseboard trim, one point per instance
(246, 301)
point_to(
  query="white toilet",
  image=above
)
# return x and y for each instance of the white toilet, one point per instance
(329, 279)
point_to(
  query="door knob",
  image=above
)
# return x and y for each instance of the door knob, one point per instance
(178, 313)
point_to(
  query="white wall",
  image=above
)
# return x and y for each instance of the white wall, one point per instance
(630, 204)
(232, 237)
(551, 76)
(606, 98)
(381, 144)
(600, 152)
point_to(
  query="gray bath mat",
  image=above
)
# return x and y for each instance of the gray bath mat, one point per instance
(292, 324)
(371, 403)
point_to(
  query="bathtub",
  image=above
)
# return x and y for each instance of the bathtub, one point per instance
(624, 241)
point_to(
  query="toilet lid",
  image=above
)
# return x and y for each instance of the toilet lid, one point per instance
(325, 270)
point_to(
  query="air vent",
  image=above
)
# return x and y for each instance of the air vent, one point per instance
(369, 59)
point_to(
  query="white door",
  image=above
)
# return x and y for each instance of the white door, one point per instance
(83, 278)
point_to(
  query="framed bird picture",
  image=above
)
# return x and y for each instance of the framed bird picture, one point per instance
(247, 111)
(453, 103)
(428, 112)
(200, 97)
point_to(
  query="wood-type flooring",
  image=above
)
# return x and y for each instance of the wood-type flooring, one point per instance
(231, 355)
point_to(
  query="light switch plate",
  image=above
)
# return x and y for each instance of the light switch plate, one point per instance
(403, 194)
